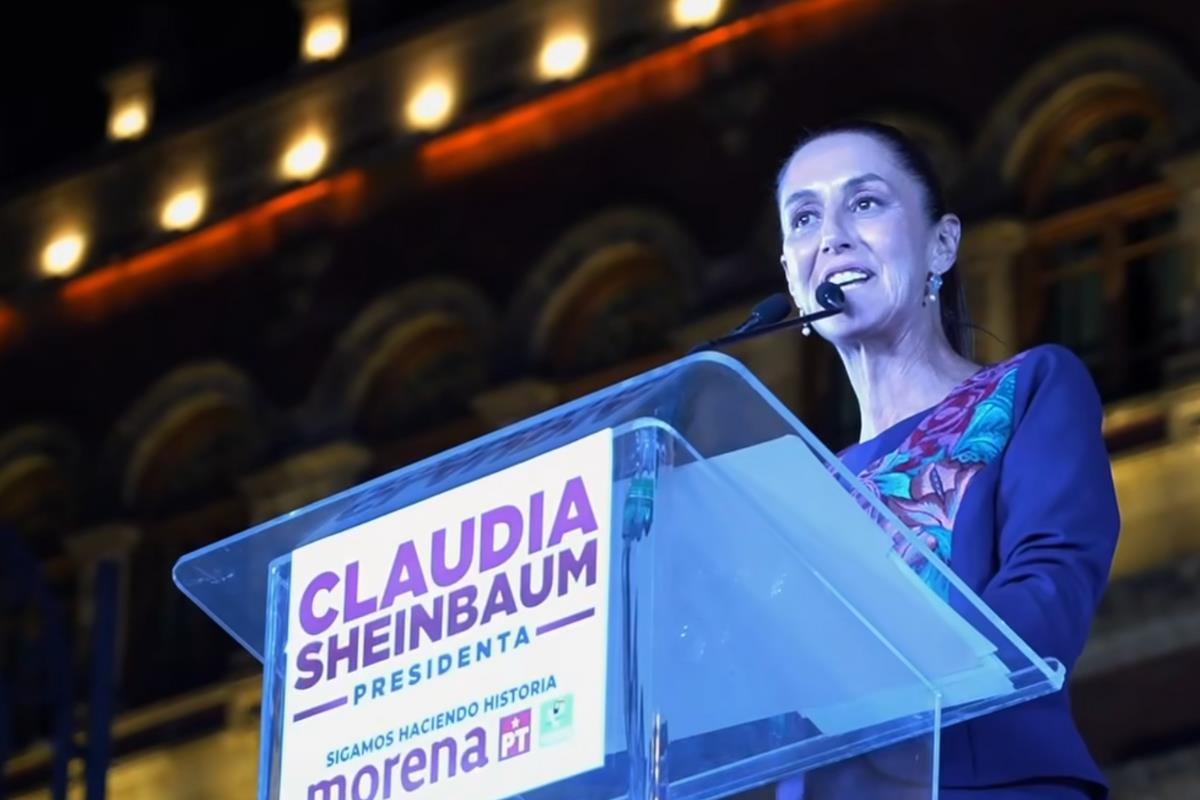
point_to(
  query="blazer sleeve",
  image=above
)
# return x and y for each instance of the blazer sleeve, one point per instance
(1056, 510)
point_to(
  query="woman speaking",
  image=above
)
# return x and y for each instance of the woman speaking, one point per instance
(1002, 468)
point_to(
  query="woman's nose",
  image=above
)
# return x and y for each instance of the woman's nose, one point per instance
(833, 236)
(835, 244)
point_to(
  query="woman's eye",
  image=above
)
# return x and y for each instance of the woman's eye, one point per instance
(865, 203)
(802, 219)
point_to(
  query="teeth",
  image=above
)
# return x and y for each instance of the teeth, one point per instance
(845, 276)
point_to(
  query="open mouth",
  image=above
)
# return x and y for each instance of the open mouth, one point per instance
(851, 276)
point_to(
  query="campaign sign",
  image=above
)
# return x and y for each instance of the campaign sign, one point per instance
(457, 647)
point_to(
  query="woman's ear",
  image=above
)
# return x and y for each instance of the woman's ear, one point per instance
(947, 234)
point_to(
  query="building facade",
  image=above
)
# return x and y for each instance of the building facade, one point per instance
(416, 240)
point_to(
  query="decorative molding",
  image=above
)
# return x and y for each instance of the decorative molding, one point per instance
(205, 418)
(604, 288)
(39, 479)
(1089, 65)
(431, 339)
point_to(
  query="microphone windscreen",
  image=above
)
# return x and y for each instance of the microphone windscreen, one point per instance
(772, 309)
(830, 296)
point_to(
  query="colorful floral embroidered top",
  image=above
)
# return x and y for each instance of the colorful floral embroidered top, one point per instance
(924, 479)
(1011, 475)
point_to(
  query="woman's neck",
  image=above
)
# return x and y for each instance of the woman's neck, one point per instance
(896, 379)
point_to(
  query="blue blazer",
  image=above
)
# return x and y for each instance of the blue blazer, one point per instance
(1011, 473)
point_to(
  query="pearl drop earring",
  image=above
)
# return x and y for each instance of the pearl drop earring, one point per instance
(934, 286)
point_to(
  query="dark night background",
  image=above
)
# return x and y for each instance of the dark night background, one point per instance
(422, 289)
(210, 54)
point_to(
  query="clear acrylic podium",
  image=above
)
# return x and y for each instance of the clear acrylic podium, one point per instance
(762, 627)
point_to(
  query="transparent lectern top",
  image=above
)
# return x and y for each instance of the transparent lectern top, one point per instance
(228, 579)
(772, 605)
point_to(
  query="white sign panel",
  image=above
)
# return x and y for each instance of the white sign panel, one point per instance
(455, 648)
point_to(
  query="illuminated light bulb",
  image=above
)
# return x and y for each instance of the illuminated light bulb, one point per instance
(695, 13)
(305, 157)
(130, 101)
(325, 38)
(129, 121)
(63, 255)
(563, 56)
(430, 106)
(183, 210)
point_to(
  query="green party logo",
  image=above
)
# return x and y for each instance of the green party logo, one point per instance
(555, 720)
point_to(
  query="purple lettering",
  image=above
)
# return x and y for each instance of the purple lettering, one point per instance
(329, 789)
(375, 641)
(476, 755)
(314, 624)
(530, 598)
(537, 513)
(389, 764)
(462, 609)
(574, 512)
(429, 623)
(490, 555)
(414, 761)
(443, 574)
(570, 566)
(398, 633)
(450, 748)
(499, 599)
(406, 575)
(308, 660)
(367, 771)
(356, 608)
(348, 653)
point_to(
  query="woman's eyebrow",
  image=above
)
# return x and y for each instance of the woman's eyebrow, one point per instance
(858, 182)
(855, 183)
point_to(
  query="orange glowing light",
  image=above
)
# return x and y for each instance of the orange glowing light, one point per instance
(11, 325)
(251, 233)
(663, 76)
(573, 110)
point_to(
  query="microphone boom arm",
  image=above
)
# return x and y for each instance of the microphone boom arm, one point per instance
(765, 329)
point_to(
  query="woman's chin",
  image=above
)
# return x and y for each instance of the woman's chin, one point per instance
(842, 330)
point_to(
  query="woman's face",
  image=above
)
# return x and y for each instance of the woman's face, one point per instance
(852, 215)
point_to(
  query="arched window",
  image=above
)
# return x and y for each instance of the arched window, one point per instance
(1104, 272)
(609, 289)
(412, 358)
(1110, 281)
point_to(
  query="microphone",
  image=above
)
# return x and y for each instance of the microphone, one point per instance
(768, 316)
(768, 311)
(831, 297)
